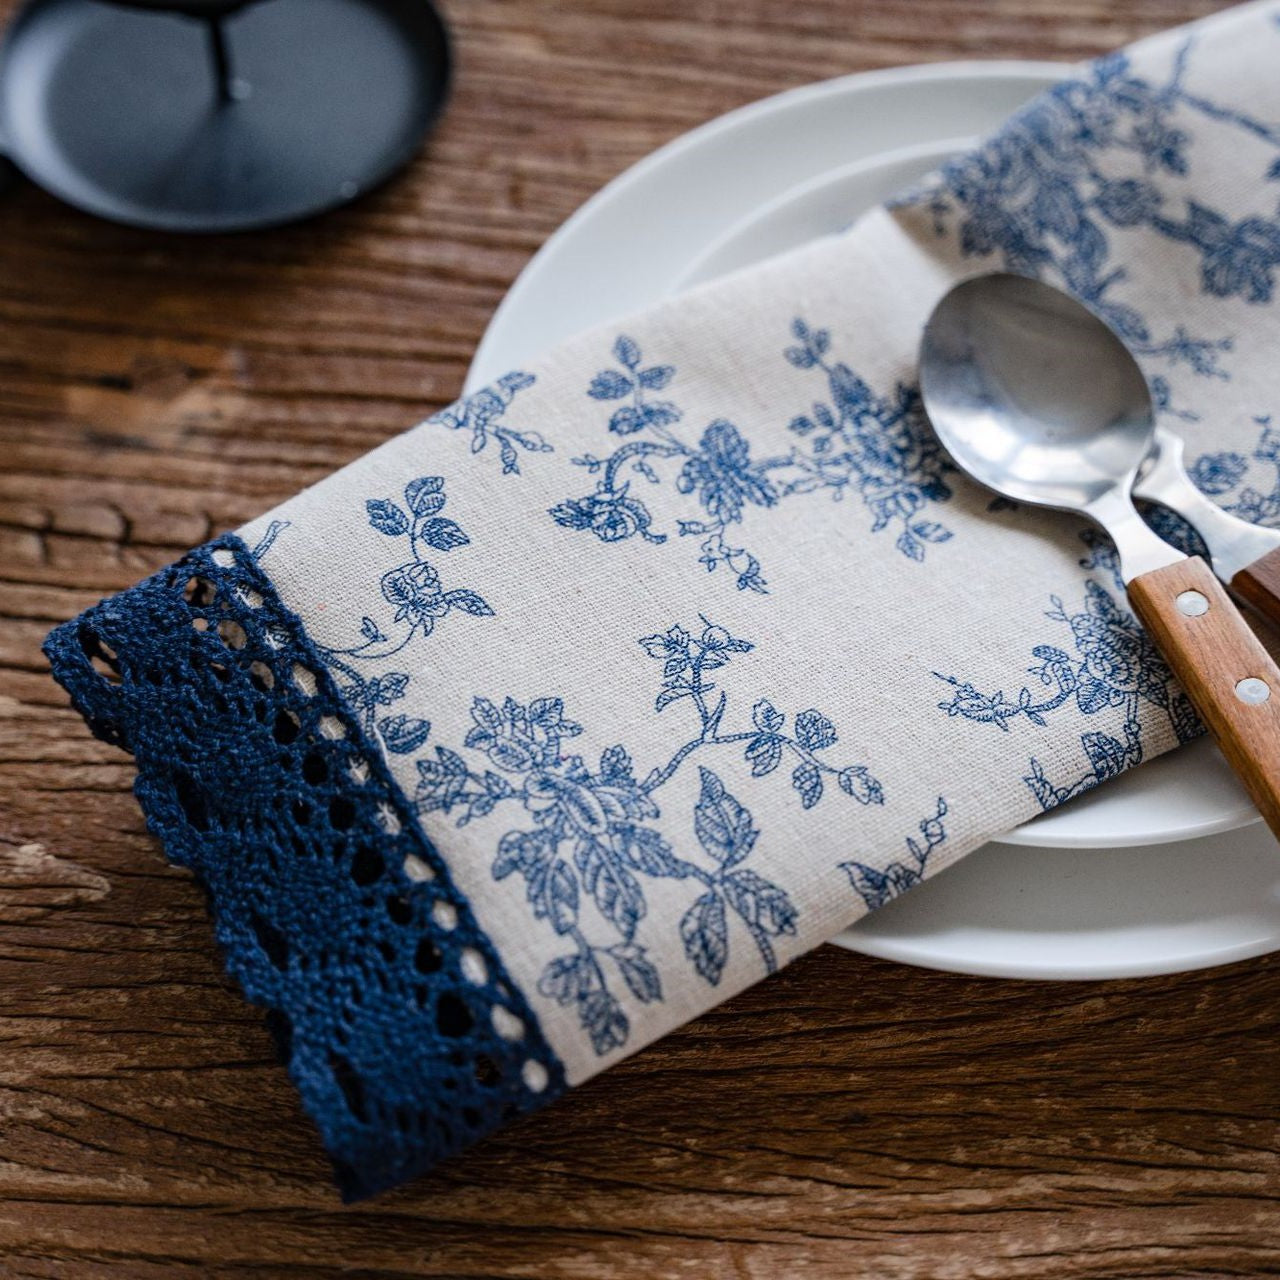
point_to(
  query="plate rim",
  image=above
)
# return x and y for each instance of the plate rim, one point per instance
(976, 69)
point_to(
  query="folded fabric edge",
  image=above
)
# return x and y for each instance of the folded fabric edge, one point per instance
(391, 1008)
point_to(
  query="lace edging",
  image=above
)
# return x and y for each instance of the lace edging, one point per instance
(390, 1006)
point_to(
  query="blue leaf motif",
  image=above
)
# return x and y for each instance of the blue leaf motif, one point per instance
(442, 534)
(388, 688)
(609, 384)
(638, 972)
(705, 934)
(626, 421)
(386, 517)
(562, 898)
(764, 754)
(760, 902)
(1107, 755)
(807, 780)
(469, 602)
(722, 825)
(656, 377)
(561, 980)
(626, 352)
(604, 1021)
(613, 888)
(425, 495)
(647, 852)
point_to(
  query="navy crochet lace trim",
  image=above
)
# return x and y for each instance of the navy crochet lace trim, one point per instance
(391, 1008)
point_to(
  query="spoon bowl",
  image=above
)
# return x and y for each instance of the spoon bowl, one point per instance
(1039, 400)
(1033, 395)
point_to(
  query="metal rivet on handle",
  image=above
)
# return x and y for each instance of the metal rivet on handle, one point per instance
(1192, 603)
(1252, 690)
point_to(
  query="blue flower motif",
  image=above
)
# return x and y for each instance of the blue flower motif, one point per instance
(419, 601)
(608, 513)
(1238, 258)
(1226, 475)
(723, 476)
(1217, 473)
(1044, 194)
(879, 448)
(415, 591)
(482, 415)
(1115, 667)
(1128, 202)
(585, 846)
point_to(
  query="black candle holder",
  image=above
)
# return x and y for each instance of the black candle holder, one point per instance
(218, 115)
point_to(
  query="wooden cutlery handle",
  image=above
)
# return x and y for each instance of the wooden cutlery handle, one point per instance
(1228, 675)
(1259, 584)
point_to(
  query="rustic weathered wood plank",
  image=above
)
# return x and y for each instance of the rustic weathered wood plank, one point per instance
(849, 1118)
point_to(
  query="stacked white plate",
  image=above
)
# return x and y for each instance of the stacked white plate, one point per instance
(1165, 869)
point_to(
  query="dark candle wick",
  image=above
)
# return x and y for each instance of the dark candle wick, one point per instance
(221, 60)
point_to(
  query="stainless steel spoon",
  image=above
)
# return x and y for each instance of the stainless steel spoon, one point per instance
(1037, 399)
(1247, 556)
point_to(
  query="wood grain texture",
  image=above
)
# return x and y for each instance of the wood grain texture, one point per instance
(1259, 584)
(849, 1118)
(1211, 653)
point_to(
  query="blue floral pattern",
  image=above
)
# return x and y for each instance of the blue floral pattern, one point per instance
(1226, 477)
(418, 601)
(482, 412)
(588, 839)
(880, 449)
(878, 886)
(1038, 195)
(1115, 667)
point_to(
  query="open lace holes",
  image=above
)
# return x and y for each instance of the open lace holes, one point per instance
(453, 1018)
(367, 866)
(473, 967)
(199, 593)
(305, 680)
(342, 816)
(101, 656)
(200, 624)
(399, 908)
(261, 676)
(314, 769)
(332, 728)
(445, 914)
(505, 1023)
(417, 870)
(273, 943)
(487, 1072)
(534, 1075)
(427, 957)
(232, 634)
(286, 728)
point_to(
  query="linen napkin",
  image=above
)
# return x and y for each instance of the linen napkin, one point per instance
(614, 687)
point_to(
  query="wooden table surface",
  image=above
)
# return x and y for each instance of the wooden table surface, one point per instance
(847, 1118)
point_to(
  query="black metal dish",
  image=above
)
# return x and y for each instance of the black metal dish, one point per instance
(218, 115)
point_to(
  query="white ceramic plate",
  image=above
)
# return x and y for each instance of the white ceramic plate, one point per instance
(774, 175)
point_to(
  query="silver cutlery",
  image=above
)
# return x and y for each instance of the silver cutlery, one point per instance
(1037, 399)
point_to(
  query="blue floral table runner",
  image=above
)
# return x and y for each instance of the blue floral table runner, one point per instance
(612, 688)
